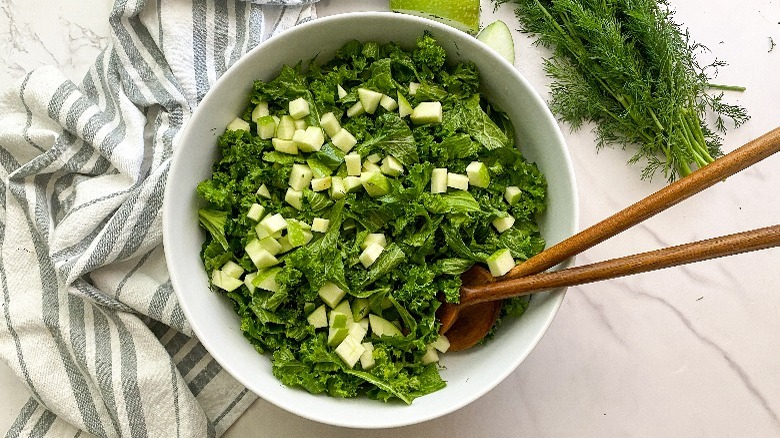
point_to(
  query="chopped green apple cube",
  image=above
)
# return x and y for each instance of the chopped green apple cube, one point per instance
(367, 358)
(270, 244)
(284, 243)
(256, 212)
(300, 176)
(285, 128)
(266, 279)
(352, 184)
(375, 183)
(430, 356)
(238, 124)
(500, 262)
(356, 110)
(374, 158)
(441, 343)
(353, 163)
(266, 127)
(259, 255)
(503, 223)
(336, 335)
(388, 103)
(248, 281)
(356, 331)
(312, 140)
(320, 225)
(371, 254)
(285, 146)
(264, 192)
(350, 350)
(337, 319)
(294, 198)
(343, 140)
(273, 223)
(299, 108)
(232, 269)
(331, 294)
(374, 238)
(427, 112)
(382, 327)
(404, 107)
(301, 124)
(512, 194)
(370, 167)
(260, 110)
(369, 99)
(457, 181)
(224, 281)
(321, 184)
(413, 87)
(341, 91)
(391, 166)
(318, 318)
(478, 174)
(330, 124)
(337, 189)
(439, 180)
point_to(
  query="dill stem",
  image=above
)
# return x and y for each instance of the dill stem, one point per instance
(726, 87)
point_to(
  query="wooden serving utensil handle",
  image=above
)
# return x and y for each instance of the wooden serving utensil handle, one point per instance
(725, 166)
(738, 243)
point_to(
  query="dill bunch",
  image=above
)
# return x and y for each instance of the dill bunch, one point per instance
(628, 67)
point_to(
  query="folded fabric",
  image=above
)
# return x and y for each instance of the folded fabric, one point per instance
(89, 319)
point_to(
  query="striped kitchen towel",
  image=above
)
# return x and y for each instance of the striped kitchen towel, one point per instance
(89, 320)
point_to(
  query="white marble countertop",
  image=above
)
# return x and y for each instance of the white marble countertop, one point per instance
(692, 351)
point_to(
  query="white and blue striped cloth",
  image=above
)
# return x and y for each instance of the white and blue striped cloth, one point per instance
(89, 321)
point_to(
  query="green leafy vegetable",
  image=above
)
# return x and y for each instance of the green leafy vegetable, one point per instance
(430, 238)
(626, 65)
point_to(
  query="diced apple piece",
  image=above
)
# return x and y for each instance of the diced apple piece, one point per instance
(284, 243)
(286, 127)
(259, 255)
(273, 223)
(350, 350)
(512, 194)
(360, 309)
(352, 184)
(441, 343)
(337, 189)
(266, 127)
(270, 244)
(232, 269)
(299, 108)
(312, 139)
(320, 225)
(371, 254)
(238, 124)
(503, 223)
(367, 358)
(388, 103)
(356, 110)
(370, 167)
(264, 192)
(330, 124)
(413, 87)
(343, 140)
(500, 262)
(457, 181)
(260, 110)
(301, 124)
(336, 335)
(266, 279)
(337, 319)
(320, 184)
(375, 183)
(224, 281)
(318, 318)
(439, 180)
(286, 146)
(427, 112)
(430, 356)
(356, 331)
(353, 163)
(256, 212)
(294, 198)
(369, 99)
(300, 176)
(248, 281)
(478, 174)
(404, 107)
(391, 166)
(341, 91)
(331, 294)
(382, 327)
(374, 238)
(374, 158)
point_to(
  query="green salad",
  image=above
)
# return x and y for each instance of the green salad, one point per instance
(348, 199)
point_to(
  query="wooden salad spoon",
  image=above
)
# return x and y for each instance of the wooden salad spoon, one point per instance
(469, 321)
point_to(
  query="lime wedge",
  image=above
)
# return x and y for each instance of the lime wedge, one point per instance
(460, 14)
(499, 38)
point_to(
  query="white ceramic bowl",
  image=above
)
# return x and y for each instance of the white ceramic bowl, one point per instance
(469, 374)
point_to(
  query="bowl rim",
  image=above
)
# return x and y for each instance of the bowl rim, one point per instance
(555, 296)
